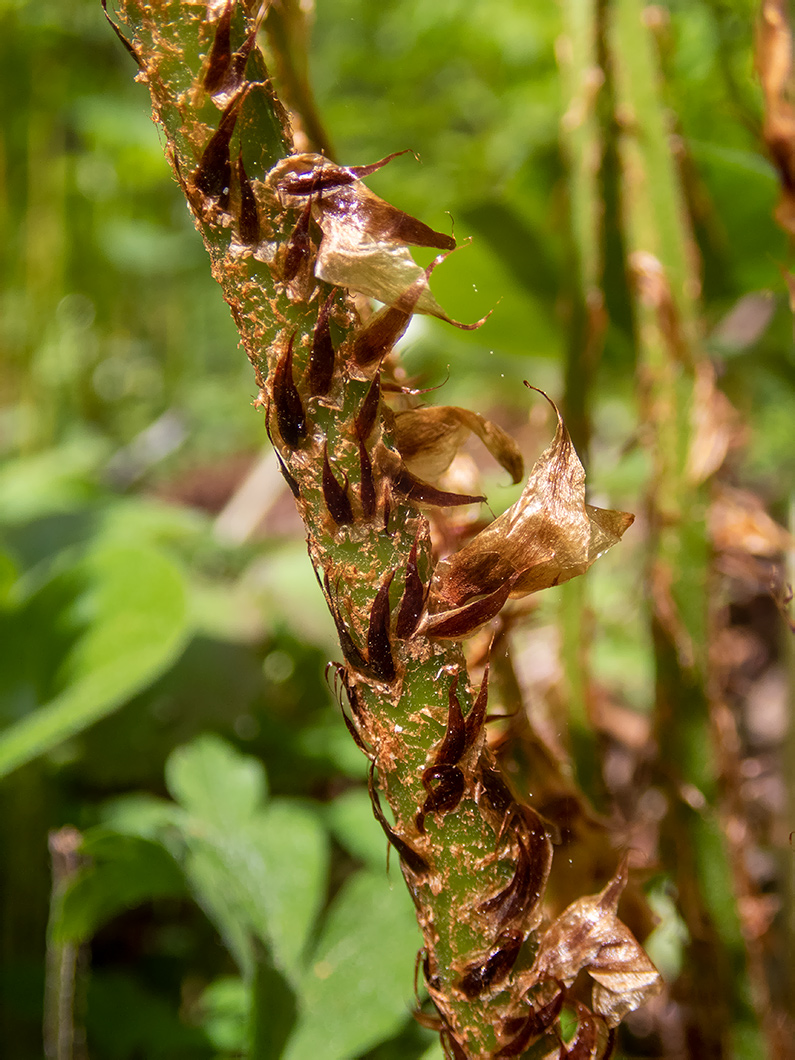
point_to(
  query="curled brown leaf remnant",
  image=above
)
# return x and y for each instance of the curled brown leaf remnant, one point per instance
(549, 536)
(365, 241)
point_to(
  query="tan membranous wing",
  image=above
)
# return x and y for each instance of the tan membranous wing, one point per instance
(547, 537)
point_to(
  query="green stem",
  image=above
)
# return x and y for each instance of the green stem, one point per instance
(660, 256)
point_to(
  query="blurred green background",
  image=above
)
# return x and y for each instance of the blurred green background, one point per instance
(141, 610)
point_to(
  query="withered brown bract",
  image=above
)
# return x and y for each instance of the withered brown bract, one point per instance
(429, 438)
(547, 537)
(589, 935)
(365, 244)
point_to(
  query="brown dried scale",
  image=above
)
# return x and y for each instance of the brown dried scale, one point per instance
(290, 415)
(320, 372)
(335, 494)
(248, 218)
(379, 648)
(412, 601)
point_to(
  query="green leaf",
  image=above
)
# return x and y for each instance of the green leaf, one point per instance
(257, 870)
(215, 783)
(124, 871)
(359, 987)
(121, 621)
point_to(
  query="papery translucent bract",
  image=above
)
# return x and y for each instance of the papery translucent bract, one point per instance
(547, 537)
(429, 438)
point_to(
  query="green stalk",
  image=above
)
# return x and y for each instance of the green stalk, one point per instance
(581, 143)
(475, 864)
(720, 1014)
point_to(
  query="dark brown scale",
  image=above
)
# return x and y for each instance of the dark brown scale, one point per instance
(481, 977)
(511, 902)
(220, 57)
(477, 716)
(353, 655)
(452, 746)
(413, 860)
(449, 1043)
(335, 494)
(379, 649)
(213, 175)
(288, 478)
(248, 221)
(366, 482)
(366, 416)
(379, 335)
(584, 1043)
(120, 35)
(330, 176)
(299, 246)
(417, 490)
(445, 787)
(465, 620)
(497, 791)
(239, 60)
(320, 372)
(413, 599)
(524, 1029)
(290, 415)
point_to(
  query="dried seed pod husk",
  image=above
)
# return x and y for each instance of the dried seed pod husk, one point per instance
(547, 537)
(429, 438)
(589, 936)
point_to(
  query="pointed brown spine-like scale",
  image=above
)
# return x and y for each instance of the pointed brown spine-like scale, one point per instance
(379, 335)
(299, 245)
(379, 648)
(413, 599)
(320, 372)
(411, 858)
(482, 977)
(295, 489)
(445, 786)
(213, 175)
(465, 620)
(220, 57)
(367, 414)
(452, 746)
(366, 482)
(476, 718)
(338, 503)
(290, 415)
(522, 1030)
(248, 220)
(416, 490)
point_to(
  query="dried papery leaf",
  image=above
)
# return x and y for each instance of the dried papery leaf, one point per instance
(774, 65)
(248, 218)
(547, 537)
(589, 936)
(365, 244)
(429, 438)
(378, 336)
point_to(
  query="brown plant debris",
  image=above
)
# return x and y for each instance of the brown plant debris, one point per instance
(547, 537)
